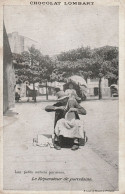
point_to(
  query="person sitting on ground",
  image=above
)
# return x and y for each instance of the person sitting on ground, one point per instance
(64, 105)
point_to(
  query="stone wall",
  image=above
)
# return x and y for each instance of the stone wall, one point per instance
(8, 75)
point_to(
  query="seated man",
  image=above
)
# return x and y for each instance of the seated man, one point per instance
(64, 105)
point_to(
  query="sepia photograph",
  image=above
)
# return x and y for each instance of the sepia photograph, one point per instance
(61, 97)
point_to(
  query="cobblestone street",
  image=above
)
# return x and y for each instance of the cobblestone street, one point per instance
(95, 164)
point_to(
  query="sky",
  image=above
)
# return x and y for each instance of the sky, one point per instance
(62, 28)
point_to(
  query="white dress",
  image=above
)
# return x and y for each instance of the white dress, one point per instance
(73, 128)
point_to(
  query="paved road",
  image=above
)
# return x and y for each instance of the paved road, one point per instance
(92, 167)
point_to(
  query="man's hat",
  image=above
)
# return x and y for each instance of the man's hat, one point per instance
(61, 95)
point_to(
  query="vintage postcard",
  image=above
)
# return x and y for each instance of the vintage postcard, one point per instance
(62, 96)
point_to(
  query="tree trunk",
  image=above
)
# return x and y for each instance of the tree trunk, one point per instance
(100, 91)
(46, 91)
(34, 92)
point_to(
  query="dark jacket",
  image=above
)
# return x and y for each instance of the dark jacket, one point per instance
(59, 114)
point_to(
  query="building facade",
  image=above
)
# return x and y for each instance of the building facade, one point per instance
(8, 75)
(93, 87)
(19, 43)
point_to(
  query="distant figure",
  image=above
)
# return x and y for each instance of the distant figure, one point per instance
(57, 90)
(17, 95)
(71, 92)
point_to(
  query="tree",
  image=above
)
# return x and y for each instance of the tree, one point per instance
(28, 68)
(33, 67)
(89, 63)
(46, 67)
(75, 54)
(105, 64)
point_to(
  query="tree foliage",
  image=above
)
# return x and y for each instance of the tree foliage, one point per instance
(93, 63)
(89, 63)
(32, 66)
(75, 54)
